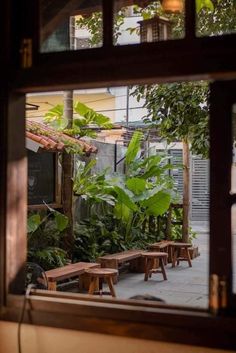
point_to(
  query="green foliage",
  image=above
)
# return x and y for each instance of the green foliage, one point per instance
(133, 148)
(100, 235)
(33, 223)
(179, 111)
(84, 118)
(45, 239)
(132, 202)
(217, 20)
(93, 24)
(176, 229)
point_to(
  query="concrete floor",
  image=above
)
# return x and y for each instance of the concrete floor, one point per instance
(185, 285)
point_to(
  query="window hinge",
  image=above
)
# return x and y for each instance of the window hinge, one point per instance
(218, 293)
(26, 53)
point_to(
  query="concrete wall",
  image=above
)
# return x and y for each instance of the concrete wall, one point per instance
(98, 100)
(36, 339)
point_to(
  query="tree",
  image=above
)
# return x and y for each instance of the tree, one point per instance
(179, 111)
(73, 119)
(67, 174)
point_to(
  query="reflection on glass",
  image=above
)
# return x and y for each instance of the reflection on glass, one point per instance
(215, 18)
(134, 24)
(233, 169)
(118, 209)
(233, 225)
(76, 25)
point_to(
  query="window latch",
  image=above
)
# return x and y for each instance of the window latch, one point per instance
(218, 294)
(26, 53)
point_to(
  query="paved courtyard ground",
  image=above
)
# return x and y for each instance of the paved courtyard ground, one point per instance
(186, 285)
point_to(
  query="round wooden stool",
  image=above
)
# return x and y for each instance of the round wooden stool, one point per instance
(97, 276)
(177, 249)
(154, 260)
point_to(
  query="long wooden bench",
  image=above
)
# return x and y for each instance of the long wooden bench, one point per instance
(69, 271)
(114, 260)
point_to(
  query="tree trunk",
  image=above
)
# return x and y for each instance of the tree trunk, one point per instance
(186, 178)
(67, 174)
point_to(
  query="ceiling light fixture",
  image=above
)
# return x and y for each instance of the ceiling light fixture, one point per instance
(172, 6)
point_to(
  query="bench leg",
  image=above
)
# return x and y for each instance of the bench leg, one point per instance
(174, 257)
(92, 285)
(52, 285)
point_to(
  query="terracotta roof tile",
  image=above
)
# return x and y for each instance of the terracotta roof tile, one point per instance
(53, 140)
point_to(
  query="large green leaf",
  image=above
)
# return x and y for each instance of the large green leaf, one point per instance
(136, 185)
(134, 147)
(91, 116)
(33, 223)
(55, 118)
(157, 204)
(122, 212)
(125, 197)
(61, 221)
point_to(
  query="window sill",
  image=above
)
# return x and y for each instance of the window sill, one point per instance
(137, 319)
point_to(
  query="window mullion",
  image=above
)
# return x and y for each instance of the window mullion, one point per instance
(220, 205)
(107, 23)
(190, 19)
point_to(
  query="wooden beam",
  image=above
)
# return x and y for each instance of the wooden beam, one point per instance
(127, 319)
(132, 64)
(16, 194)
(221, 100)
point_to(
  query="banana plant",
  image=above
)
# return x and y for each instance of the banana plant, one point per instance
(145, 191)
(84, 118)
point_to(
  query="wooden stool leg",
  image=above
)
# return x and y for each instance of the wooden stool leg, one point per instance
(163, 268)
(153, 264)
(188, 257)
(174, 257)
(111, 287)
(92, 285)
(100, 281)
(178, 255)
(52, 285)
(147, 268)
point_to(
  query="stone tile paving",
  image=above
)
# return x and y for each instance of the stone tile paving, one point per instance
(185, 286)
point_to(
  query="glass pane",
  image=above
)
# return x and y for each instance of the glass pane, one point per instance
(70, 26)
(215, 18)
(122, 203)
(233, 169)
(150, 23)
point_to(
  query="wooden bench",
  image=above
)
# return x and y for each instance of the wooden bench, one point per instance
(114, 260)
(69, 271)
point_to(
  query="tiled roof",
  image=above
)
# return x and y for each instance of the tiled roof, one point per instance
(54, 141)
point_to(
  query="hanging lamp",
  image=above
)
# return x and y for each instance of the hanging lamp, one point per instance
(172, 6)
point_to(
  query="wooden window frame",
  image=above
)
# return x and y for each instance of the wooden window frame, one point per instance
(57, 189)
(109, 66)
